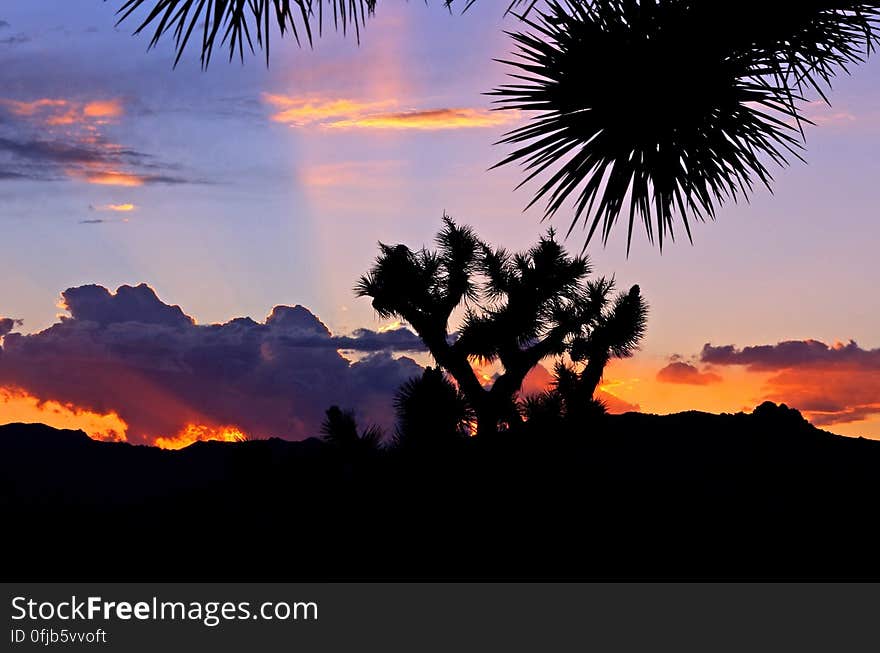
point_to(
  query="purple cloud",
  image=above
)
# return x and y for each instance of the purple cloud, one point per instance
(148, 361)
(683, 373)
(791, 353)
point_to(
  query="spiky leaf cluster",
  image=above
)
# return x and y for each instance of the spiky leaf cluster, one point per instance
(665, 109)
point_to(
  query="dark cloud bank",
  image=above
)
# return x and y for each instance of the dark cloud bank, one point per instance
(36, 159)
(34, 148)
(793, 353)
(131, 353)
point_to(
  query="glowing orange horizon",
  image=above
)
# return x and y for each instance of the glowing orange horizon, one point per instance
(18, 405)
(192, 433)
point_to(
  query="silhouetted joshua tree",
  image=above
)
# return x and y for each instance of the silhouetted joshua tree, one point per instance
(340, 429)
(519, 309)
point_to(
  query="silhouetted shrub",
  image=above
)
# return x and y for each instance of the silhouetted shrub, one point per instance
(431, 412)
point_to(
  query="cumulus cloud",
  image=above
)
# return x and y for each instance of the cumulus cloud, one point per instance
(832, 384)
(686, 374)
(793, 353)
(130, 354)
(95, 303)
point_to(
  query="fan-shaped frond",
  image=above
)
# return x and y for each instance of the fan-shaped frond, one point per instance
(431, 411)
(641, 113)
(339, 427)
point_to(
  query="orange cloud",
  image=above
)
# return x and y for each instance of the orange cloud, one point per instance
(343, 113)
(107, 177)
(304, 111)
(16, 405)
(830, 384)
(67, 118)
(828, 396)
(103, 109)
(67, 138)
(119, 208)
(19, 406)
(55, 112)
(426, 120)
(391, 326)
(19, 108)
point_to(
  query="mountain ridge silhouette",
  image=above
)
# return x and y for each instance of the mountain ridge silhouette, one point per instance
(686, 496)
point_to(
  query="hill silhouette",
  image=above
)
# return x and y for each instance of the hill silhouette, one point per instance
(690, 495)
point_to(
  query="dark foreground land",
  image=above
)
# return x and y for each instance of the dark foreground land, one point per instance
(637, 496)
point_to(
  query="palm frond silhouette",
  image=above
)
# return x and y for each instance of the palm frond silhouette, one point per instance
(340, 429)
(239, 24)
(651, 110)
(431, 412)
(519, 309)
(245, 25)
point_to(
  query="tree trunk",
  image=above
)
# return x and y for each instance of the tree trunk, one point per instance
(592, 374)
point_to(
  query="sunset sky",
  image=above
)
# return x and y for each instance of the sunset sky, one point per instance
(236, 190)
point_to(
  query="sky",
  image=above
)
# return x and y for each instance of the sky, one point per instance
(234, 190)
